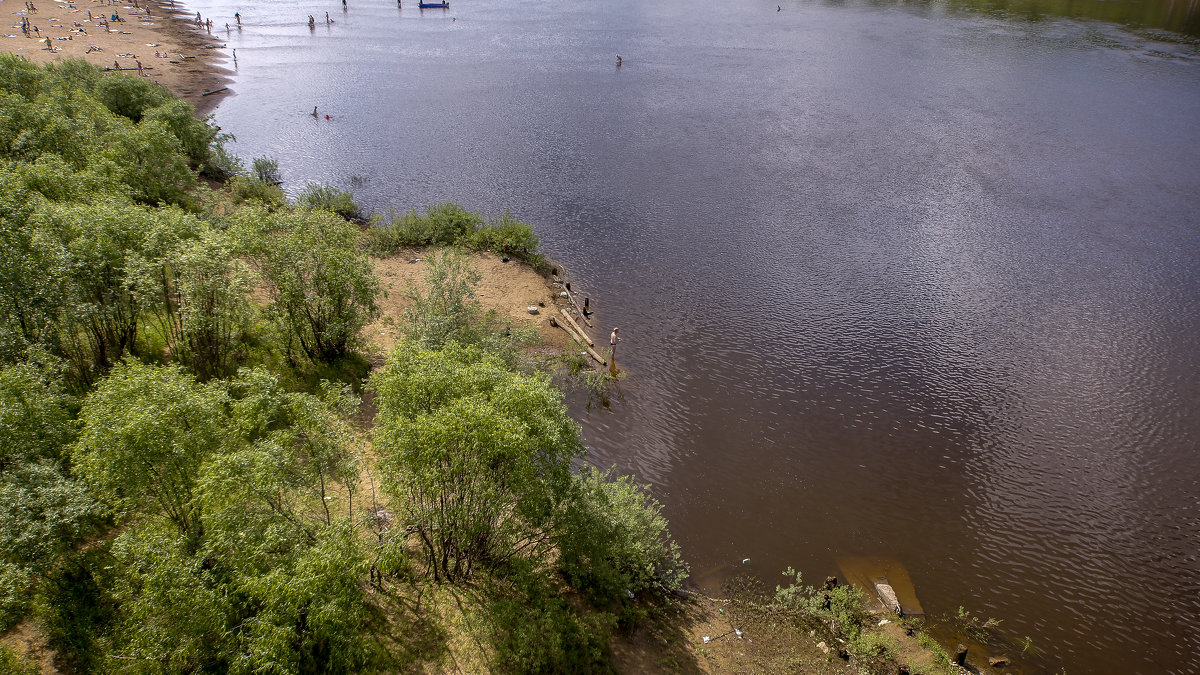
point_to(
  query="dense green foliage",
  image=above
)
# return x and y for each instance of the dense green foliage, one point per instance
(180, 491)
(451, 225)
(322, 286)
(329, 199)
(479, 456)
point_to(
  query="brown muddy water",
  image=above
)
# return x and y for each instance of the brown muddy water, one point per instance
(917, 281)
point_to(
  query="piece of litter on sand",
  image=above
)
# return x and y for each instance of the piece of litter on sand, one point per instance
(738, 633)
(706, 639)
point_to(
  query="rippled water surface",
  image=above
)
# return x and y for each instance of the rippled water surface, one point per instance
(916, 281)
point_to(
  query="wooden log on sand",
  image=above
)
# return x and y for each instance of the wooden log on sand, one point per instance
(574, 325)
(574, 332)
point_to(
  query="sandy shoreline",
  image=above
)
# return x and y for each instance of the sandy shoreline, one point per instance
(191, 62)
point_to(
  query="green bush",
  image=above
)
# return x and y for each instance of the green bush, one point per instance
(130, 96)
(250, 189)
(196, 136)
(441, 225)
(322, 286)
(330, 199)
(19, 76)
(613, 541)
(476, 457)
(267, 170)
(150, 159)
(447, 311)
(450, 225)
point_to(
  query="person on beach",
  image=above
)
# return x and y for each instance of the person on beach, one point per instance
(237, 16)
(140, 73)
(198, 21)
(315, 115)
(327, 19)
(613, 340)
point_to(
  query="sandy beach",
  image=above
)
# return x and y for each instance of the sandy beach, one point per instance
(173, 50)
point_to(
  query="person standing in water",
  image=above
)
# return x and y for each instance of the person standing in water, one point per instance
(612, 342)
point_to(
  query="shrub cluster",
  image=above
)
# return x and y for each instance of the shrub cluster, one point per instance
(174, 498)
(451, 225)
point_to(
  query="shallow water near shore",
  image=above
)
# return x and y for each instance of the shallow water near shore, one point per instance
(916, 281)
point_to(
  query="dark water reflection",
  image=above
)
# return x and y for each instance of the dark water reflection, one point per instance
(1168, 15)
(899, 279)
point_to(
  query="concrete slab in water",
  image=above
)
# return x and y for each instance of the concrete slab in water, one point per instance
(885, 582)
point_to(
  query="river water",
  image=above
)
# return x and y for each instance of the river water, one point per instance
(913, 280)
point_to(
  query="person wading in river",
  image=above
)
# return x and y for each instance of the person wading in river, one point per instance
(612, 342)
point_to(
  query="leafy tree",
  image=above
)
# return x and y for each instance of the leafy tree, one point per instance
(211, 310)
(52, 177)
(100, 314)
(322, 287)
(277, 489)
(150, 160)
(30, 292)
(311, 611)
(34, 421)
(43, 513)
(145, 432)
(19, 76)
(174, 611)
(448, 311)
(477, 457)
(196, 136)
(613, 540)
(71, 74)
